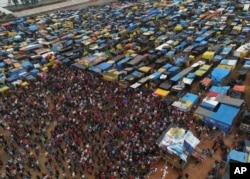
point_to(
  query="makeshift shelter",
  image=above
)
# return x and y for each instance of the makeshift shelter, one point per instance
(202, 113)
(205, 83)
(177, 146)
(161, 92)
(219, 75)
(220, 89)
(229, 62)
(202, 70)
(209, 103)
(229, 101)
(186, 102)
(223, 117)
(238, 91)
(208, 55)
(181, 74)
(235, 156)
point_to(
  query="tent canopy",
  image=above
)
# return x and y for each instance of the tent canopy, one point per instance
(240, 88)
(237, 156)
(225, 115)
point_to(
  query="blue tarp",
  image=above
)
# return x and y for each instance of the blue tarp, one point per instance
(173, 70)
(220, 89)
(237, 156)
(155, 75)
(167, 66)
(224, 117)
(34, 72)
(219, 74)
(191, 98)
(27, 64)
(104, 66)
(33, 28)
(119, 65)
(218, 58)
(181, 74)
(2, 64)
(207, 106)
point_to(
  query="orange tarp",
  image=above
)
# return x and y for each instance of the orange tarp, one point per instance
(240, 88)
(206, 81)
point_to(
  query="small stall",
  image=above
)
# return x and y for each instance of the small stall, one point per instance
(177, 146)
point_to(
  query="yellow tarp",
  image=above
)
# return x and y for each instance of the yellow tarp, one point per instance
(248, 158)
(227, 67)
(178, 28)
(208, 55)
(4, 88)
(17, 65)
(161, 92)
(24, 83)
(44, 69)
(161, 70)
(145, 69)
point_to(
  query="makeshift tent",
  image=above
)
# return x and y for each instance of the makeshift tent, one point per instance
(205, 83)
(173, 70)
(27, 64)
(188, 80)
(209, 103)
(104, 66)
(189, 97)
(218, 75)
(155, 75)
(238, 91)
(229, 101)
(181, 74)
(220, 89)
(161, 92)
(202, 113)
(202, 70)
(223, 117)
(229, 62)
(165, 85)
(172, 141)
(237, 156)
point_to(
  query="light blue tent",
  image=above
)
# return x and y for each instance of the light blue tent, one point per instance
(218, 75)
(238, 156)
(220, 89)
(223, 117)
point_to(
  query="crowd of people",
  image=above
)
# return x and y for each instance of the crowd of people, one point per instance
(82, 125)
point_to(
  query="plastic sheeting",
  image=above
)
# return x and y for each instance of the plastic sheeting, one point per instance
(220, 89)
(218, 75)
(224, 117)
(237, 156)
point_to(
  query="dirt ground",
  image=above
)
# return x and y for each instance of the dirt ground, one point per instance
(196, 171)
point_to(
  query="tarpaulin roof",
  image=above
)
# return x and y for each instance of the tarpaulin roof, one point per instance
(237, 156)
(229, 101)
(225, 115)
(193, 98)
(181, 74)
(104, 66)
(220, 89)
(206, 81)
(155, 75)
(203, 112)
(173, 138)
(218, 74)
(240, 88)
(161, 92)
(209, 103)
